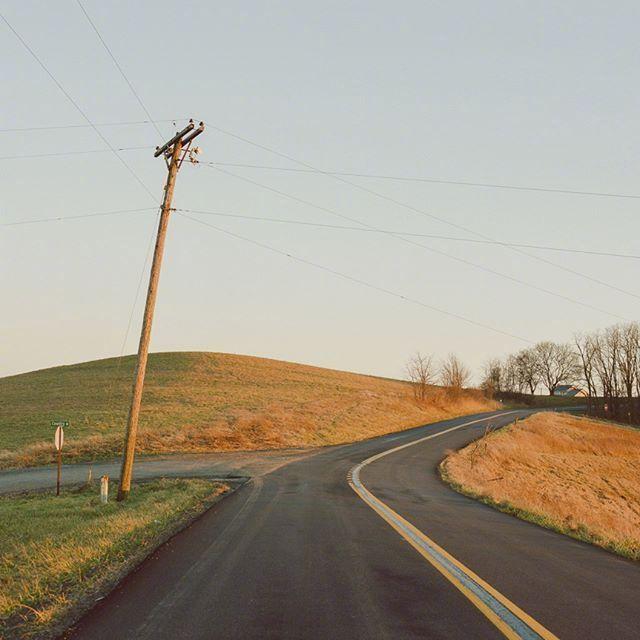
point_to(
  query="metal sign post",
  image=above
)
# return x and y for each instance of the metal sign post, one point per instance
(58, 440)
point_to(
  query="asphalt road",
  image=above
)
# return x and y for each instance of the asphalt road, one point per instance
(298, 554)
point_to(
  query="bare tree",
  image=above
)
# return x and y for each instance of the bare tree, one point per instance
(421, 373)
(556, 363)
(510, 379)
(453, 374)
(492, 377)
(628, 367)
(586, 348)
(606, 365)
(527, 370)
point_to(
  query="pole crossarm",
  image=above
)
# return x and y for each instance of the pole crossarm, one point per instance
(160, 150)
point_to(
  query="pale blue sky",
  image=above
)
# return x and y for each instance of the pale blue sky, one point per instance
(535, 93)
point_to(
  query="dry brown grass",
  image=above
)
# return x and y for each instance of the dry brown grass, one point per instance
(575, 475)
(199, 402)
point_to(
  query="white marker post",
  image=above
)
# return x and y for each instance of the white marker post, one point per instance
(104, 489)
(58, 440)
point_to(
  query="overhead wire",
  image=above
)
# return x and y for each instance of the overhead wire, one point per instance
(422, 212)
(77, 107)
(423, 246)
(351, 174)
(31, 156)
(355, 280)
(463, 183)
(433, 236)
(97, 214)
(120, 69)
(320, 225)
(87, 126)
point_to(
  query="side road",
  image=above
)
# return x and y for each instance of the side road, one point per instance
(224, 465)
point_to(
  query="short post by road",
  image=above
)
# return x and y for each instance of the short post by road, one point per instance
(58, 441)
(104, 489)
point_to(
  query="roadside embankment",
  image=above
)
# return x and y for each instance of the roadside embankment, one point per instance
(576, 476)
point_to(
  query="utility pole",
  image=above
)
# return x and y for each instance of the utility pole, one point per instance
(174, 152)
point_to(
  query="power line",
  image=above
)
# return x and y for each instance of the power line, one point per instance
(464, 183)
(88, 126)
(358, 280)
(77, 106)
(320, 225)
(374, 176)
(423, 246)
(409, 207)
(119, 68)
(75, 217)
(338, 227)
(31, 156)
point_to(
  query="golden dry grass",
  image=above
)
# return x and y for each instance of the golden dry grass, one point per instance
(199, 402)
(576, 475)
(59, 553)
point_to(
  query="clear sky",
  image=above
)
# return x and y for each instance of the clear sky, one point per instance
(524, 93)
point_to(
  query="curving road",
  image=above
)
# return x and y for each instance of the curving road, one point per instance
(325, 547)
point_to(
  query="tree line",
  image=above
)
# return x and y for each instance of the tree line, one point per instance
(546, 364)
(604, 363)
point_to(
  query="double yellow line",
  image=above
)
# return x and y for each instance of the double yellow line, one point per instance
(514, 623)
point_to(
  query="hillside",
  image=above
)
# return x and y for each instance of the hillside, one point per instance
(574, 475)
(206, 401)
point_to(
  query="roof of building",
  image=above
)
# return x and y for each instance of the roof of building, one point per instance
(568, 389)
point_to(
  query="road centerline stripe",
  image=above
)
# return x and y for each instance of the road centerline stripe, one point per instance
(514, 623)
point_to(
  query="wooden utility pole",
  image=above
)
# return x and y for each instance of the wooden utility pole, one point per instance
(173, 149)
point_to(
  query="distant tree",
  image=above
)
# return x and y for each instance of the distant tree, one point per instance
(492, 377)
(528, 375)
(586, 347)
(511, 379)
(608, 349)
(421, 373)
(556, 363)
(629, 362)
(453, 374)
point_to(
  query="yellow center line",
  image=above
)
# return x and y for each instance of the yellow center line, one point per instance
(512, 621)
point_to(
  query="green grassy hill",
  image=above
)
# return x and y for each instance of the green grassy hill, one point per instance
(206, 401)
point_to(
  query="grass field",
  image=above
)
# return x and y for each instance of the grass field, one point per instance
(574, 475)
(195, 402)
(59, 553)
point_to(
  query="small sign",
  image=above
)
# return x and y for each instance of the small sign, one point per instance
(59, 438)
(59, 423)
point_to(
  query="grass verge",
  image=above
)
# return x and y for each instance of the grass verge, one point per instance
(575, 476)
(61, 553)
